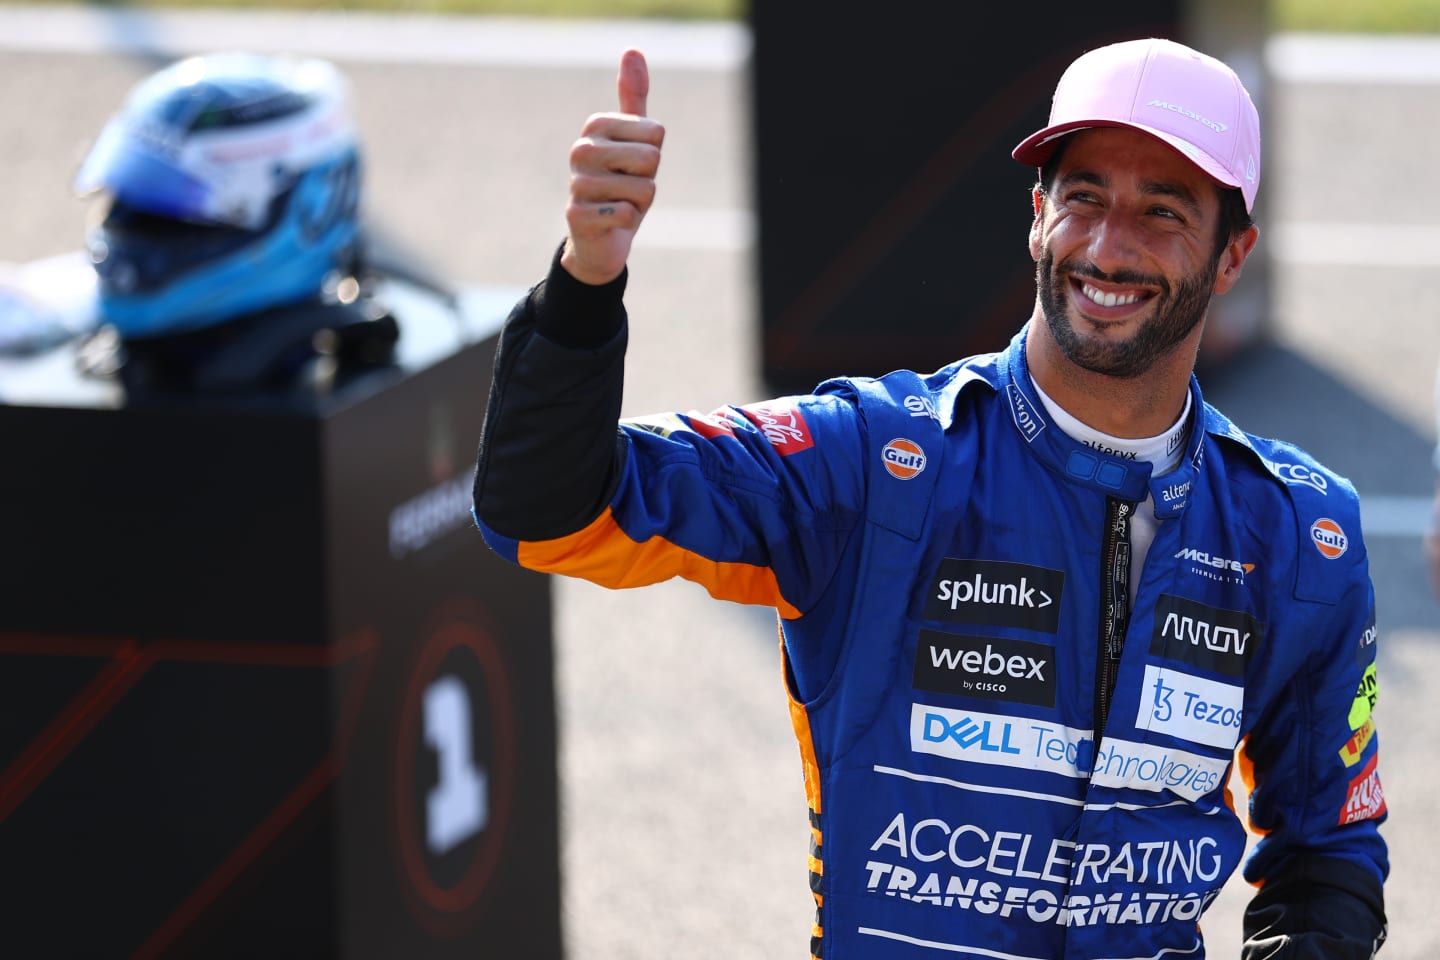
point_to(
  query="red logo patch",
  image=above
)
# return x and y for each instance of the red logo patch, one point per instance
(781, 424)
(1366, 799)
(1328, 538)
(903, 458)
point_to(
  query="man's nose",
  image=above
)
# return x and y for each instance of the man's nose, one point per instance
(1115, 242)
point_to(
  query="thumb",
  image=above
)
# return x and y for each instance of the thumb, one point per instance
(633, 82)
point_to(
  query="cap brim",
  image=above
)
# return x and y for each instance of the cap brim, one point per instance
(1036, 149)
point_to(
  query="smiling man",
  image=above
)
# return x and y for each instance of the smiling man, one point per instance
(1035, 605)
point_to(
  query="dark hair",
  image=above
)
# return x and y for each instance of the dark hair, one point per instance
(1234, 218)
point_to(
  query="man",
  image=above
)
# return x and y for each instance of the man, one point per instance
(1030, 604)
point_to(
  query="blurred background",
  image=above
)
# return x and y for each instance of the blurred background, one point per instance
(836, 194)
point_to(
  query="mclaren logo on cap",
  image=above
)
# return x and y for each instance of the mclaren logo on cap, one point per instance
(903, 459)
(1215, 125)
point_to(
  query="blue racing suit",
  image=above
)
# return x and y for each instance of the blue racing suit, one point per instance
(1006, 754)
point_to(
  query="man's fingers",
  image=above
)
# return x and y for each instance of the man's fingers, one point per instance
(633, 83)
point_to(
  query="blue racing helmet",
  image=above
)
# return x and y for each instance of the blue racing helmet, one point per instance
(232, 186)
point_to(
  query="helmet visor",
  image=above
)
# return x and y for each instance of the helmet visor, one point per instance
(144, 176)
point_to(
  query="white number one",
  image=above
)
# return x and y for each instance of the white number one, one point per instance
(458, 806)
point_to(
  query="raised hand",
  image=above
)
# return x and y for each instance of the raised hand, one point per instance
(612, 179)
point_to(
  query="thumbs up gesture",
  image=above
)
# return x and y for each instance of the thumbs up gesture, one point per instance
(612, 179)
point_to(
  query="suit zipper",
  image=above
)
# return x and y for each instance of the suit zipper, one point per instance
(1114, 606)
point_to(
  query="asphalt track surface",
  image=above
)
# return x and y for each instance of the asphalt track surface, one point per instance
(684, 826)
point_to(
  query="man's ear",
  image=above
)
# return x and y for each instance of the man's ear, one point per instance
(1037, 199)
(1232, 258)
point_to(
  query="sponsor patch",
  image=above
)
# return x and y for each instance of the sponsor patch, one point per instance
(1203, 636)
(1359, 740)
(782, 424)
(1146, 766)
(996, 593)
(1191, 708)
(1298, 473)
(1328, 538)
(1365, 651)
(903, 458)
(1366, 695)
(988, 668)
(1000, 740)
(667, 424)
(1026, 417)
(1366, 799)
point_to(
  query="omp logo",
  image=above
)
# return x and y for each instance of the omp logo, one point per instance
(782, 425)
(1191, 708)
(1366, 799)
(1366, 696)
(1298, 473)
(1026, 417)
(1328, 538)
(1203, 636)
(1219, 563)
(1359, 740)
(988, 668)
(903, 459)
(996, 593)
(1215, 125)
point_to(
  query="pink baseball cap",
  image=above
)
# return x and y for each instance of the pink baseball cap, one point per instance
(1180, 96)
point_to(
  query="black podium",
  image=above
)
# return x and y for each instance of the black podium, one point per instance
(266, 692)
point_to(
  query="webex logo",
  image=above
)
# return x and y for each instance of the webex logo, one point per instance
(989, 668)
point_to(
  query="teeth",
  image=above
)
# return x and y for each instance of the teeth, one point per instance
(1110, 299)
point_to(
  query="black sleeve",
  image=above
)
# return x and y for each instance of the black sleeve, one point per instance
(550, 451)
(1316, 908)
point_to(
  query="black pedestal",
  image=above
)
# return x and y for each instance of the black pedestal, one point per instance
(266, 692)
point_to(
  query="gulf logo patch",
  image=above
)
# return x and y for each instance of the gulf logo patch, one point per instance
(903, 458)
(1328, 538)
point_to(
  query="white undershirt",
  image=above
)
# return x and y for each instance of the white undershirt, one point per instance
(1163, 452)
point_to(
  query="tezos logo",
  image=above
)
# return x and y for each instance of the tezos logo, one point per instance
(903, 459)
(1328, 538)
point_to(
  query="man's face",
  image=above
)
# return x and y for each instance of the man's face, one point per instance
(1124, 247)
